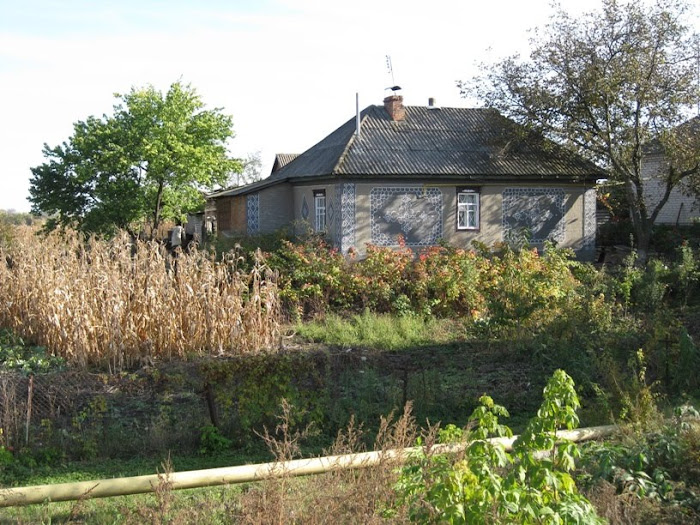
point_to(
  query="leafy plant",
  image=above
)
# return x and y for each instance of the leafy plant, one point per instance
(16, 355)
(650, 464)
(485, 484)
(88, 426)
(686, 274)
(212, 442)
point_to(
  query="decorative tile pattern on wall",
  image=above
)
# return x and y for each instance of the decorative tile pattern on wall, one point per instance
(304, 208)
(413, 212)
(345, 219)
(538, 212)
(253, 213)
(337, 231)
(330, 211)
(589, 221)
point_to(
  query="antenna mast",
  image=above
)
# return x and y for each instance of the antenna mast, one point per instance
(390, 69)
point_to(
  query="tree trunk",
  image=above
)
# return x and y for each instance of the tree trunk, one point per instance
(156, 211)
(211, 405)
(643, 234)
(640, 222)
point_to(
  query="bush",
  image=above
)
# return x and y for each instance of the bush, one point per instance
(659, 465)
(503, 286)
(382, 278)
(486, 484)
(446, 282)
(313, 277)
(211, 441)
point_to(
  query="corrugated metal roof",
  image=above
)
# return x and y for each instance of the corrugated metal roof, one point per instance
(444, 142)
(282, 159)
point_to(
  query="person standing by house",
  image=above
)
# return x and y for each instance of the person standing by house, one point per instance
(177, 237)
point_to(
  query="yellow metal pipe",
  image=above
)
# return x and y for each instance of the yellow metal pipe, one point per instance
(104, 488)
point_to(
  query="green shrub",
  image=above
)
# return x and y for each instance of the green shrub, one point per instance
(504, 286)
(650, 291)
(523, 287)
(488, 485)
(312, 277)
(685, 275)
(446, 282)
(15, 354)
(383, 276)
(211, 442)
(659, 464)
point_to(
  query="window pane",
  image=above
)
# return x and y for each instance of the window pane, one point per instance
(467, 210)
(320, 214)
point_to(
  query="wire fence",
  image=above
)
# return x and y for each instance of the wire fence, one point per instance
(63, 403)
(153, 410)
(28, 400)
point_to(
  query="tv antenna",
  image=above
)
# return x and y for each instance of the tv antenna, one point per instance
(390, 69)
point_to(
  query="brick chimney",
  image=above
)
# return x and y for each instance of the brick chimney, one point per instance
(394, 106)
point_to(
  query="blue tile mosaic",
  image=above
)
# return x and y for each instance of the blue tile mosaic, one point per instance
(415, 213)
(345, 220)
(304, 209)
(537, 213)
(253, 213)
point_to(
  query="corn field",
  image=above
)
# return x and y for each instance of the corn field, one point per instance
(126, 302)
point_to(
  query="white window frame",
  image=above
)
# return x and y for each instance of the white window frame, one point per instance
(468, 208)
(320, 210)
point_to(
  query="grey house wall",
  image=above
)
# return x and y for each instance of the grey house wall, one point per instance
(304, 213)
(680, 209)
(360, 213)
(269, 209)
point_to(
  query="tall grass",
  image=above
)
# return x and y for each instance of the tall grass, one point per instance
(122, 302)
(381, 331)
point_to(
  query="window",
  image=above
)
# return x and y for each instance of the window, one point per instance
(467, 209)
(320, 210)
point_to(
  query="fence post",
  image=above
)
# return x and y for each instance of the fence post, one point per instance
(30, 394)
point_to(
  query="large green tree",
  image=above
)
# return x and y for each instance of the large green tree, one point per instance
(611, 84)
(149, 161)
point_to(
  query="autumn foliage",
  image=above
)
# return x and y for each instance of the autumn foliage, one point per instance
(482, 283)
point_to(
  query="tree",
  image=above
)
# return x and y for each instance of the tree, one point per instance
(609, 85)
(252, 169)
(149, 161)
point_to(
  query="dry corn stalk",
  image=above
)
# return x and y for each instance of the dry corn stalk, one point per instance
(123, 302)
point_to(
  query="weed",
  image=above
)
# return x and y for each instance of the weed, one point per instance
(380, 331)
(486, 484)
(211, 442)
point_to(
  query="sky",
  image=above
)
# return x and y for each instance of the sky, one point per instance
(286, 70)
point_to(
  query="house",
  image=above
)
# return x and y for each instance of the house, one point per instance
(682, 208)
(282, 159)
(428, 175)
